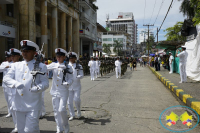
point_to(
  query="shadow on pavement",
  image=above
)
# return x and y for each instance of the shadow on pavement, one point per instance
(5, 130)
(96, 122)
(49, 118)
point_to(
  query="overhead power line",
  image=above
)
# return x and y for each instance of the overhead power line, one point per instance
(153, 11)
(159, 11)
(144, 10)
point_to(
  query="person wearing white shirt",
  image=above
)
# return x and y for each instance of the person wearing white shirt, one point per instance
(182, 63)
(98, 64)
(75, 88)
(62, 80)
(4, 68)
(118, 64)
(28, 96)
(92, 66)
(171, 59)
(15, 56)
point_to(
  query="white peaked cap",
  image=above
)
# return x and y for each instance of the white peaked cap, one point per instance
(14, 50)
(60, 50)
(27, 44)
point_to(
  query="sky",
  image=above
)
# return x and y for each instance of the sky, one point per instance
(143, 13)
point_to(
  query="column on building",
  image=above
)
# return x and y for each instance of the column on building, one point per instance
(63, 30)
(76, 41)
(70, 33)
(44, 29)
(27, 30)
(54, 29)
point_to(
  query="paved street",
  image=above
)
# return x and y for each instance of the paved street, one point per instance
(131, 104)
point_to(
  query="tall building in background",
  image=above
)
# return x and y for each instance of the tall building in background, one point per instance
(124, 23)
(144, 36)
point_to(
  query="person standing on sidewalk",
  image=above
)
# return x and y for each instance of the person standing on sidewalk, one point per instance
(156, 62)
(4, 68)
(134, 64)
(159, 62)
(171, 59)
(182, 63)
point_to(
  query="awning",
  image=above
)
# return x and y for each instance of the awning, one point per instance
(169, 45)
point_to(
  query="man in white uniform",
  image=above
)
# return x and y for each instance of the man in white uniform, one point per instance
(15, 56)
(92, 66)
(60, 89)
(118, 64)
(182, 63)
(4, 68)
(98, 64)
(75, 88)
(28, 97)
(171, 59)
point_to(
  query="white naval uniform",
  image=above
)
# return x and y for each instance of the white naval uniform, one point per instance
(171, 63)
(7, 90)
(27, 103)
(118, 68)
(75, 90)
(92, 66)
(60, 94)
(98, 64)
(182, 65)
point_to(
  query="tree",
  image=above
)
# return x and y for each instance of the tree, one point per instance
(196, 5)
(173, 33)
(106, 48)
(107, 28)
(118, 46)
(187, 9)
(151, 42)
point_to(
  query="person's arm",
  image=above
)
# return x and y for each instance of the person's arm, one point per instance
(3, 67)
(80, 73)
(44, 81)
(51, 66)
(69, 77)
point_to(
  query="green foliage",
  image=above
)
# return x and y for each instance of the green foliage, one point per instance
(106, 48)
(196, 5)
(187, 9)
(107, 29)
(173, 33)
(118, 46)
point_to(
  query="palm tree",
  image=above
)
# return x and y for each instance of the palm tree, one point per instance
(187, 9)
(106, 48)
(118, 46)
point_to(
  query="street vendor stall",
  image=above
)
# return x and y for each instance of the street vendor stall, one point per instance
(170, 46)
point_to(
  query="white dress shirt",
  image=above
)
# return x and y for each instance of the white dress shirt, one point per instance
(20, 72)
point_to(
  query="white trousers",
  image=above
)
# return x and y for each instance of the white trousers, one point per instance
(118, 72)
(74, 95)
(171, 68)
(92, 73)
(97, 72)
(182, 70)
(13, 112)
(28, 122)
(7, 97)
(60, 112)
(43, 107)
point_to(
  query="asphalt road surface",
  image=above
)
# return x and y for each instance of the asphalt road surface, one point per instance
(131, 104)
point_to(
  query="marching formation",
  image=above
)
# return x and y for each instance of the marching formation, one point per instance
(24, 84)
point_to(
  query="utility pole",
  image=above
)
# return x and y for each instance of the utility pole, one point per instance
(148, 37)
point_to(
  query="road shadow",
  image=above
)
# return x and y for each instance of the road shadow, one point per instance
(49, 118)
(5, 130)
(95, 121)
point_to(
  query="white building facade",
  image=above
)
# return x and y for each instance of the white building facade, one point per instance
(88, 27)
(124, 23)
(144, 36)
(109, 38)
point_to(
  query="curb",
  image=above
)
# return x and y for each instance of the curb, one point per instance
(184, 97)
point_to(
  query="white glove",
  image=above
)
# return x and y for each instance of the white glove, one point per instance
(79, 76)
(66, 84)
(35, 89)
(62, 66)
(19, 85)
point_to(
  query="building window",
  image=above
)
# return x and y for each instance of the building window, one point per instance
(10, 43)
(107, 39)
(83, 25)
(37, 19)
(10, 10)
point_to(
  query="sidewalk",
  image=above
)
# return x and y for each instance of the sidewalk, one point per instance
(188, 92)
